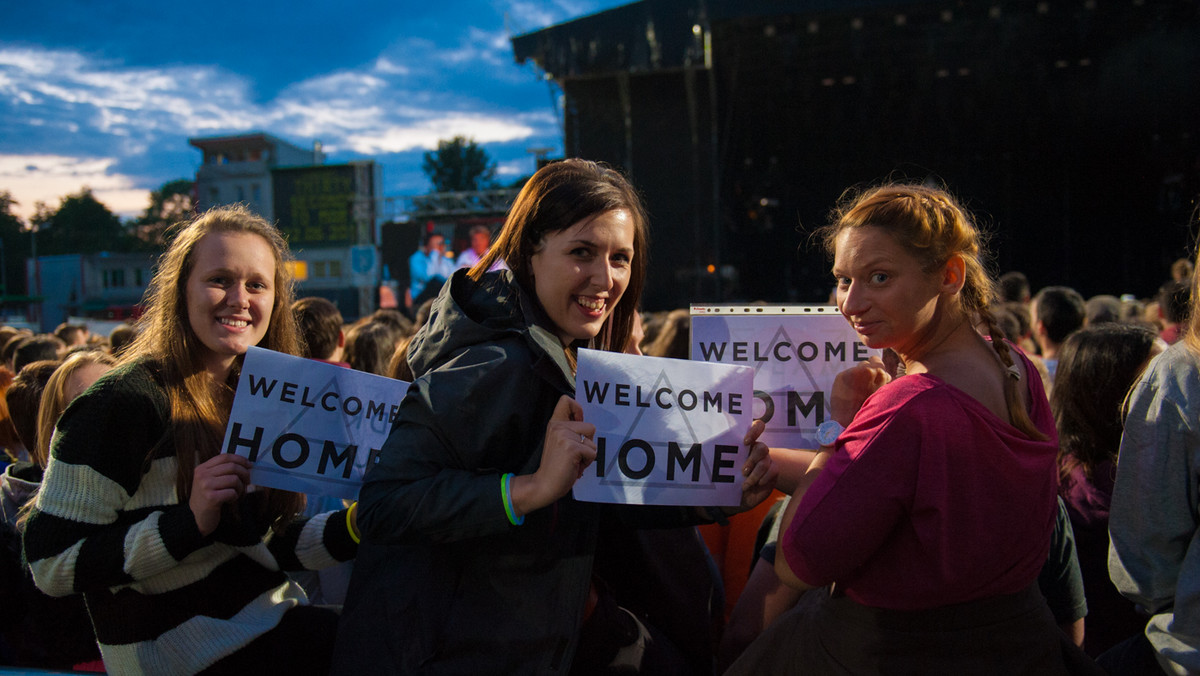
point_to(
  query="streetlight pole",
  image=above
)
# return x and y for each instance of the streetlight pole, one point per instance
(37, 268)
(3, 269)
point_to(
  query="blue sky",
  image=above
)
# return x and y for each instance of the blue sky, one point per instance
(106, 94)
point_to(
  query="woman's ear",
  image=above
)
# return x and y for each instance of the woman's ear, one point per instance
(954, 274)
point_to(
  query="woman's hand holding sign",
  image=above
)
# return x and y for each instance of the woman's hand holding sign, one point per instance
(220, 479)
(567, 451)
(760, 470)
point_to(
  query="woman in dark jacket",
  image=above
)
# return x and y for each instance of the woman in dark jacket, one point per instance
(475, 558)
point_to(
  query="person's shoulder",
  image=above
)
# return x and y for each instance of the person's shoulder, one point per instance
(141, 375)
(1176, 368)
(903, 403)
(24, 471)
(904, 389)
(1176, 358)
(470, 317)
(129, 389)
(128, 403)
(502, 357)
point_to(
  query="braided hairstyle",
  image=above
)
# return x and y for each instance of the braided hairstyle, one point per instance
(933, 227)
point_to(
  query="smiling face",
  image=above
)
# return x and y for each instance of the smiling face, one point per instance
(580, 272)
(882, 290)
(230, 293)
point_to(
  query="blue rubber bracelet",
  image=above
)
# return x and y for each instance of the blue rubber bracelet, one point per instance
(507, 495)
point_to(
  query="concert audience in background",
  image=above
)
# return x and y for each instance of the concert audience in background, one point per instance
(1125, 466)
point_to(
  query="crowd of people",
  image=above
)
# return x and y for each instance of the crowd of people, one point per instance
(431, 265)
(1010, 488)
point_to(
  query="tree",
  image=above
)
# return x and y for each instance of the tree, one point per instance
(171, 204)
(12, 247)
(459, 165)
(81, 224)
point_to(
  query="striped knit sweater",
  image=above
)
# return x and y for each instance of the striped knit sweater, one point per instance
(108, 523)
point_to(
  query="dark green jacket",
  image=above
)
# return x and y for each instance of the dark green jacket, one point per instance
(443, 582)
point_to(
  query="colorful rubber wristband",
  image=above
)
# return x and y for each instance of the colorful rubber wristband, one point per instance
(350, 523)
(506, 494)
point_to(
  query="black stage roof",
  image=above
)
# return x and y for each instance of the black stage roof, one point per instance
(1072, 128)
(659, 34)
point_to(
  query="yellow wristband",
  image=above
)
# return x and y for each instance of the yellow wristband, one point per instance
(350, 523)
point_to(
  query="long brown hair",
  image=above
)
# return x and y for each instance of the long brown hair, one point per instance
(199, 406)
(933, 227)
(1097, 366)
(558, 196)
(10, 440)
(1191, 336)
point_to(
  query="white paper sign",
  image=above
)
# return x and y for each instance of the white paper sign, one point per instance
(308, 426)
(796, 351)
(668, 431)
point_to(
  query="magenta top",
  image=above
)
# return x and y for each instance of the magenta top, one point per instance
(929, 499)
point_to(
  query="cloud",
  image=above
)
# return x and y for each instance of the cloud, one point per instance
(523, 17)
(526, 16)
(123, 101)
(39, 62)
(49, 178)
(344, 84)
(479, 47)
(386, 66)
(513, 168)
(426, 133)
(362, 111)
(70, 118)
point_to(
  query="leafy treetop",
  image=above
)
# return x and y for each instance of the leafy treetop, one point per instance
(459, 165)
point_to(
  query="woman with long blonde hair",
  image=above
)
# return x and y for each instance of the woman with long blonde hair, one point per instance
(141, 512)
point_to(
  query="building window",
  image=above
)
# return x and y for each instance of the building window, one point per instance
(241, 193)
(255, 192)
(114, 278)
(325, 269)
(214, 195)
(139, 277)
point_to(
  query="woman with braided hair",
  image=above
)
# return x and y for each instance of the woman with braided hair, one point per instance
(930, 505)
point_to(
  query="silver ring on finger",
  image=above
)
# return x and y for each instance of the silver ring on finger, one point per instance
(582, 439)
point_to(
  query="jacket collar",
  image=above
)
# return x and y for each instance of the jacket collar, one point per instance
(552, 361)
